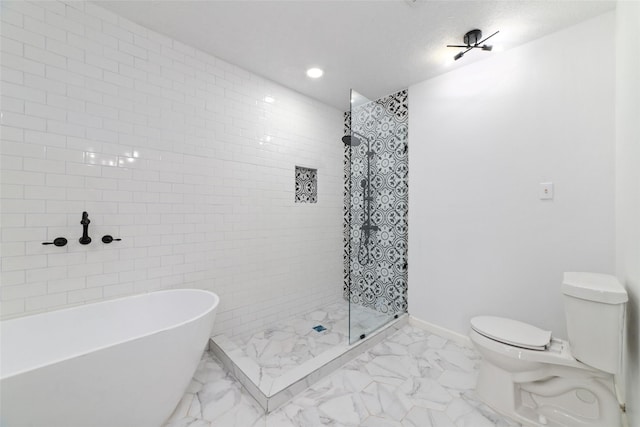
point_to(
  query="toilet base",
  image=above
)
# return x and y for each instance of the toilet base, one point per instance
(576, 400)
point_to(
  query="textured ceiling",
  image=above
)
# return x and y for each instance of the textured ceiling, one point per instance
(374, 47)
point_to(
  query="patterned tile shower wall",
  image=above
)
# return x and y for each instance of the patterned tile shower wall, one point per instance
(377, 265)
(346, 240)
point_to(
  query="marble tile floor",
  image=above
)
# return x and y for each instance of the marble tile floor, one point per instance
(412, 379)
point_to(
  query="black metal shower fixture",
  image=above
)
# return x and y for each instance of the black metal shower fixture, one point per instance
(353, 140)
(368, 228)
(472, 40)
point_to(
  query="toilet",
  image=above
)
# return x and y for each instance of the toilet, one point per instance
(539, 380)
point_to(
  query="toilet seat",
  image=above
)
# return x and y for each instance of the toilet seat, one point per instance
(512, 332)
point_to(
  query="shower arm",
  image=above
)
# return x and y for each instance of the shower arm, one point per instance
(358, 134)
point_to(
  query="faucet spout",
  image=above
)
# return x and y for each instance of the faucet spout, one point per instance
(85, 239)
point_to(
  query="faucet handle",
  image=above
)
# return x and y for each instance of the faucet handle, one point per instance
(108, 239)
(58, 241)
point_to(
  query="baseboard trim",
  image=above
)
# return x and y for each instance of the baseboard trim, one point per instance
(456, 337)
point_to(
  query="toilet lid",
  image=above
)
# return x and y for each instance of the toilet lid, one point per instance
(511, 332)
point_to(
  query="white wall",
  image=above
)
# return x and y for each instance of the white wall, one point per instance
(628, 189)
(482, 138)
(164, 146)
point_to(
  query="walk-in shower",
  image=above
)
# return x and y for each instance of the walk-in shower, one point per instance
(376, 207)
(278, 360)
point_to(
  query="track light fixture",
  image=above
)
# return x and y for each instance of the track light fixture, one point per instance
(472, 40)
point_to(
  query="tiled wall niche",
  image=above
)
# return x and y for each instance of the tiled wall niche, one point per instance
(306, 185)
(174, 151)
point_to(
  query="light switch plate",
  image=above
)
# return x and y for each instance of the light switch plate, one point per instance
(546, 190)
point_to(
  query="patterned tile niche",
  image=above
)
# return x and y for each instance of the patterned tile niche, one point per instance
(306, 185)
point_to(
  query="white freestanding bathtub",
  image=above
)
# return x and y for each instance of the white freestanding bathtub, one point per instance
(118, 363)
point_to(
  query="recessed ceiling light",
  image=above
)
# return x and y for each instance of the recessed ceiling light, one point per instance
(314, 73)
(269, 99)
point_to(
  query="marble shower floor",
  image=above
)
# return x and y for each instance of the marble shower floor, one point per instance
(281, 361)
(286, 345)
(412, 379)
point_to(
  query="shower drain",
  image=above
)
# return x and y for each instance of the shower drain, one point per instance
(319, 328)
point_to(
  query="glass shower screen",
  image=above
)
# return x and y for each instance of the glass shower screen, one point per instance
(377, 215)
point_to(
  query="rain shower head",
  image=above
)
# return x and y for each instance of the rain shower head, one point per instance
(354, 139)
(351, 141)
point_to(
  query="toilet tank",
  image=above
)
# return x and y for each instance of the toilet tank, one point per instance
(594, 309)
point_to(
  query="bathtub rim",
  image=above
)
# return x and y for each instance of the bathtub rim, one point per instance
(216, 302)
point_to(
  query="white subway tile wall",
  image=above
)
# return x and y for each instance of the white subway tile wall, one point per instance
(171, 149)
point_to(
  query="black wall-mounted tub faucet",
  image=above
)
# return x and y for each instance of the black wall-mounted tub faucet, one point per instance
(85, 239)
